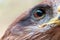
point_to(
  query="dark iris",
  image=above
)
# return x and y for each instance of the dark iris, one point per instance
(39, 12)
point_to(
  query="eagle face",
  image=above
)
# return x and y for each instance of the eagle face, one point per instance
(40, 23)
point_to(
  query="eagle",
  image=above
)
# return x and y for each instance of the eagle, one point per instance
(41, 22)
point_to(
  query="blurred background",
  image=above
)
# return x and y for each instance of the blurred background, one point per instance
(11, 9)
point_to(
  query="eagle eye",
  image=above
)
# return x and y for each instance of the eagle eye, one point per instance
(38, 13)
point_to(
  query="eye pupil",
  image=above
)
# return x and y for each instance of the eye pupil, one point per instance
(39, 13)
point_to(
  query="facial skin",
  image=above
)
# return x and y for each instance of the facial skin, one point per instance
(30, 27)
